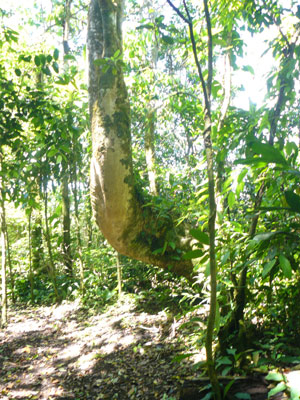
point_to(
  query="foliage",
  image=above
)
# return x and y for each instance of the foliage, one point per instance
(44, 135)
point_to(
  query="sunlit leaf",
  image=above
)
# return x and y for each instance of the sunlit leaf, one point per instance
(200, 236)
(278, 388)
(268, 152)
(268, 267)
(189, 255)
(286, 266)
(231, 199)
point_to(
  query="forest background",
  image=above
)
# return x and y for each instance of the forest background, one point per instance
(182, 64)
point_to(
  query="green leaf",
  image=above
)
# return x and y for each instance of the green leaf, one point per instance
(146, 26)
(275, 376)
(227, 387)
(181, 357)
(52, 152)
(268, 267)
(223, 361)
(278, 388)
(116, 54)
(37, 61)
(293, 200)
(245, 396)
(286, 266)
(189, 255)
(200, 236)
(46, 70)
(252, 161)
(55, 67)
(167, 39)
(248, 68)
(231, 199)
(264, 236)
(18, 72)
(59, 159)
(268, 152)
(56, 54)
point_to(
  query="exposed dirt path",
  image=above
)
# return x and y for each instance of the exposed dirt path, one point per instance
(63, 352)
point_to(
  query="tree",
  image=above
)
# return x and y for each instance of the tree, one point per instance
(120, 208)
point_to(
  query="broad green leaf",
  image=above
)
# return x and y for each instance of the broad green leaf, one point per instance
(116, 54)
(264, 236)
(18, 72)
(225, 370)
(46, 70)
(189, 255)
(56, 54)
(268, 152)
(259, 161)
(52, 152)
(42, 58)
(275, 376)
(293, 200)
(172, 245)
(286, 266)
(242, 175)
(231, 199)
(278, 388)
(55, 67)
(37, 61)
(59, 159)
(224, 361)
(200, 236)
(268, 267)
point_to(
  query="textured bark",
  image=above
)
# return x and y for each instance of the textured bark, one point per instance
(118, 210)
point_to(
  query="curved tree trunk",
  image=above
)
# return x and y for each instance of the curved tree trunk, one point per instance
(128, 226)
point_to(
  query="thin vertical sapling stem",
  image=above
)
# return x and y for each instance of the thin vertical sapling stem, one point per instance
(206, 88)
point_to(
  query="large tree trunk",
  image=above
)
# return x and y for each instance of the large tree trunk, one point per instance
(130, 228)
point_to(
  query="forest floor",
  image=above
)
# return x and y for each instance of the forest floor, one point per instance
(69, 352)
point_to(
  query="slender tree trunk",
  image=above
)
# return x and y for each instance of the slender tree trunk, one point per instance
(119, 275)
(79, 241)
(52, 269)
(68, 262)
(30, 260)
(220, 199)
(67, 254)
(3, 252)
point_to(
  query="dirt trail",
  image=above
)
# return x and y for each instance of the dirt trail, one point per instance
(62, 352)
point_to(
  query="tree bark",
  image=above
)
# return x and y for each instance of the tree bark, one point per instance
(3, 253)
(117, 204)
(67, 253)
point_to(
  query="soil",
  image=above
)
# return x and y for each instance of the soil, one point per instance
(68, 352)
